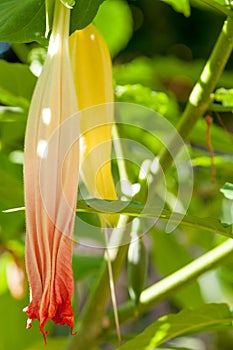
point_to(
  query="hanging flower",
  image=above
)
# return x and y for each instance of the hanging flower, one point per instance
(92, 71)
(51, 180)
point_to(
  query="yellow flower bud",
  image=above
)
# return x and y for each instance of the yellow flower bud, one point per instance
(92, 71)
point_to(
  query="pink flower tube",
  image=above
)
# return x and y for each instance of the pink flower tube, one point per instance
(51, 181)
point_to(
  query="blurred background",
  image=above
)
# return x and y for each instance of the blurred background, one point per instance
(158, 55)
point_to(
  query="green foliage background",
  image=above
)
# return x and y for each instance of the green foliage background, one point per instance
(158, 53)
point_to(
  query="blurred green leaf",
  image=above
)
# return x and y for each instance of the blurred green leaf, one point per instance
(167, 106)
(205, 318)
(84, 265)
(52, 344)
(169, 255)
(11, 114)
(16, 84)
(221, 140)
(172, 348)
(11, 191)
(14, 320)
(114, 21)
(157, 100)
(4, 259)
(225, 96)
(158, 71)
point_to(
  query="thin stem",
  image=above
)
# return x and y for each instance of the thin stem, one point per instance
(112, 288)
(164, 288)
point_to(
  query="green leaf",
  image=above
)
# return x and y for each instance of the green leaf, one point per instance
(53, 344)
(25, 21)
(227, 190)
(154, 71)
(10, 114)
(225, 96)
(172, 348)
(11, 191)
(16, 84)
(143, 95)
(180, 6)
(84, 265)
(134, 209)
(83, 13)
(117, 15)
(205, 318)
(218, 5)
(175, 258)
(4, 259)
(22, 20)
(14, 319)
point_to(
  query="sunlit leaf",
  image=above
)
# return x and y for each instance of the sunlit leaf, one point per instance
(225, 96)
(205, 318)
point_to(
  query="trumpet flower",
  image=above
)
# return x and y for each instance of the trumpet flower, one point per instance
(51, 181)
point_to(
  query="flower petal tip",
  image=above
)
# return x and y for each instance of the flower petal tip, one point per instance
(72, 332)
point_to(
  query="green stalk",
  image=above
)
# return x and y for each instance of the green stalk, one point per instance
(167, 286)
(199, 99)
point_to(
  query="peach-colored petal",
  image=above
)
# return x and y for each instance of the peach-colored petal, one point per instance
(51, 181)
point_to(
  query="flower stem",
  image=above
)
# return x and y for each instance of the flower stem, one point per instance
(162, 289)
(112, 287)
